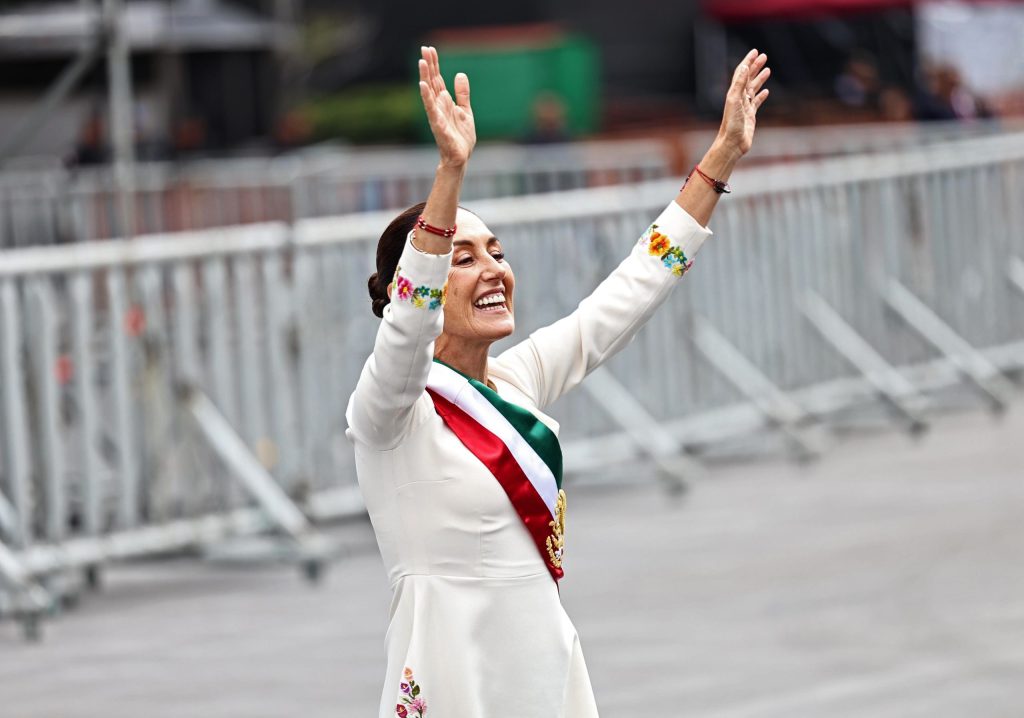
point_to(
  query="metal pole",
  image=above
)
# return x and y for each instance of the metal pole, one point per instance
(121, 130)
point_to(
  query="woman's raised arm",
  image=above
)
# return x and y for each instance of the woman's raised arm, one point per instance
(451, 123)
(556, 358)
(382, 409)
(735, 136)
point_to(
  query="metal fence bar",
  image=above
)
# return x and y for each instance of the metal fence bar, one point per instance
(248, 354)
(282, 390)
(87, 404)
(15, 415)
(124, 410)
(48, 403)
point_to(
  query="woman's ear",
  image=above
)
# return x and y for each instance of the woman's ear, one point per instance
(390, 286)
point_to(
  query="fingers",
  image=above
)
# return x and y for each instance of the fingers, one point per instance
(759, 99)
(439, 86)
(757, 63)
(758, 82)
(742, 71)
(428, 97)
(424, 75)
(462, 90)
(428, 72)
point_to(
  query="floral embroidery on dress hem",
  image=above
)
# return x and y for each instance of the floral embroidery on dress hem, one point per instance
(421, 297)
(410, 703)
(660, 246)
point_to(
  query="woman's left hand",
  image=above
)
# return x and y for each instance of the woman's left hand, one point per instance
(742, 101)
(451, 120)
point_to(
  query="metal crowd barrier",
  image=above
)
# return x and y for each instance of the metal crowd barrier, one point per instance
(54, 205)
(775, 144)
(58, 206)
(173, 391)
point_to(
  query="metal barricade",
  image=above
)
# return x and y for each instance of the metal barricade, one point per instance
(135, 374)
(55, 206)
(52, 206)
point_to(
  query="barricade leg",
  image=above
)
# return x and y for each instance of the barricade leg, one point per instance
(646, 433)
(972, 364)
(30, 599)
(778, 409)
(1016, 273)
(892, 387)
(255, 479)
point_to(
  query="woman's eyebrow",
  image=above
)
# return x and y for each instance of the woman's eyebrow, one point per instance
(470, 242)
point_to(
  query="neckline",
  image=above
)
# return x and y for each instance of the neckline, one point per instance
(488, 383)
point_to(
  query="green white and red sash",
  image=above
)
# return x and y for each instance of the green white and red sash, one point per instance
(523, 454)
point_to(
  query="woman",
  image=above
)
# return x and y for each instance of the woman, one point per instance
(460, 469)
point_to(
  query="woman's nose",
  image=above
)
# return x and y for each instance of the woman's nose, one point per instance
(495, 268)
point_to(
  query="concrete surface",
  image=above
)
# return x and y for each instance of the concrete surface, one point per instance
(886, 581)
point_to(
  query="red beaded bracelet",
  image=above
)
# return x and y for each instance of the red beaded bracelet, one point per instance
(718, 185)
(439, 231)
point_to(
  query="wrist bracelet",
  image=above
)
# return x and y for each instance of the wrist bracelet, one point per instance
(439, 231)
(718, 185)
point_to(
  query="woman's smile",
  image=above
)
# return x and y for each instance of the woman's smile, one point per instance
(491, 302)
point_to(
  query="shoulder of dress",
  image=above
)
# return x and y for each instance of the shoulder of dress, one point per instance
(501, 374)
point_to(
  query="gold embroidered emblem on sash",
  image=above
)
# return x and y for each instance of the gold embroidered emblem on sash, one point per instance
(556, 541)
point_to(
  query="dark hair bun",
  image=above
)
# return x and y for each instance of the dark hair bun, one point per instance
(378, 294)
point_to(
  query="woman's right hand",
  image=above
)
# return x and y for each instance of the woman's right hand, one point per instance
(451, 121)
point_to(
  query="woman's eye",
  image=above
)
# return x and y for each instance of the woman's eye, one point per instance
(464, 259)
(498, 256)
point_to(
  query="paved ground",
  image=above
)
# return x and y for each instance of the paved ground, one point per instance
(887, 581)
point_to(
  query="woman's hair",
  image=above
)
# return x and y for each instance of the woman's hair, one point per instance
(389, 250)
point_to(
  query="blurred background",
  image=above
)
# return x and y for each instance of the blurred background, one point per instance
(799, 492)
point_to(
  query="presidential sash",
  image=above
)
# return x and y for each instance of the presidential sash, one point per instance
(516, 447)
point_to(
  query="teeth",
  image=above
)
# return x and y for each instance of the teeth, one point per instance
(491, 300)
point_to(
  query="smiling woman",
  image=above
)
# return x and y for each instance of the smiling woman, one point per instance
(460, 468)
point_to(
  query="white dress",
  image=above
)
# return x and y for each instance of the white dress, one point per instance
(476, 626)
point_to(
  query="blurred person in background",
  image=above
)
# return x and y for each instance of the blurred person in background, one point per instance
(549, 123)
(858, 86)
(944, 96)
(91, 147)
(459, 466)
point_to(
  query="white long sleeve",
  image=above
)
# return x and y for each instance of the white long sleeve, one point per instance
(554, 359)
(380, 410)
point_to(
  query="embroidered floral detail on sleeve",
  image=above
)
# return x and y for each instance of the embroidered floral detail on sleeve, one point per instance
(660, 246)
(410, 703)
(422, 297)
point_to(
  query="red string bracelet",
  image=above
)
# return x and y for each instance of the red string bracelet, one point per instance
(439, 231)
(717, 185)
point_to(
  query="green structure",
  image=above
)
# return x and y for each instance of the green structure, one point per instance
(521, 81)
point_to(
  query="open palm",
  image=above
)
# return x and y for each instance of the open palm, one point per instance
(451, 121)
(743, 99)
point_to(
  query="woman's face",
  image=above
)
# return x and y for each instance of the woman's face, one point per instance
(480, 285)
